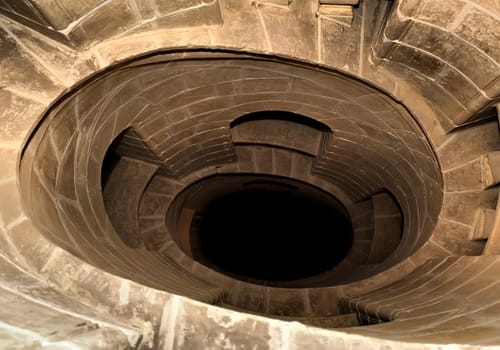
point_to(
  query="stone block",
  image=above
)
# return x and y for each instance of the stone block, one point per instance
(264, 160)
(461, 148)
(21, 71)
(132, 145)
(153, 238)
(339, 2)
(8, 169)
(62, 13)
(436, 96)
(301, 165)
(122, 201)
(491, 168)
(489, 5)
(73, 220)
(360, 251)
(492, 246)
(232, 33)
(341, 14)
(387, 228)
(250, 297)
(461, 55)
(282, 162)
(461, 207)
(24, 8)
(286, 302)
(415, 59)
(245, 156)
(441, 14)
(289, 32)
(164, 186)
(465, 178)
(344, 30)
(262, 85)
(455, 238)
(203, 13)
(278, 132)
(481, 30)
(205, 157)
(281, 3)
(484, 224)
(166, 7)
(17, 115)
(66, 66)
(147, 8)
(197, 326)
(111, 18)
(476, 276)
(33, 324)
(153, 204)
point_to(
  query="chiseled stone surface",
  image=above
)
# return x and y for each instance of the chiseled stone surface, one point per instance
(426, 37)
(353, 158)
(189, 325)
(28, 325)
(438, 59)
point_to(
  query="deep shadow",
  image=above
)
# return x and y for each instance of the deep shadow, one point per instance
(280, 115)
(273, 235)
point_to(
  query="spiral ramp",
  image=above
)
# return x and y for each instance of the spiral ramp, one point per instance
(368, 130)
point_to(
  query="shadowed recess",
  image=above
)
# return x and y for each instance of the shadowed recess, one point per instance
(268, 230)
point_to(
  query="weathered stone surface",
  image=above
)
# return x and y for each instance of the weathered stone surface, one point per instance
(448, 59)
(436, 30)
(449, 48)
(24, 8)
(460, 149)
(293, 23)
(197, 326)
(441, 14)
(178, 14)
(64, 64)
(460, 207)
(339, 13)
(484, 225)
(334, 32)
(26, 323)
(20, 71)
(281, 133)
(121, 205)
(481, 30)
(491, 168)
(387, 228)
(112, 17)
(466, 178)
(454, 237)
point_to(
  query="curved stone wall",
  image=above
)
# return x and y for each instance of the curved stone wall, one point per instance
(390, 82)
(180, 111)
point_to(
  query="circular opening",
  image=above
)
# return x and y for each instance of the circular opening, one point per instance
(350, 140)
(261, 229)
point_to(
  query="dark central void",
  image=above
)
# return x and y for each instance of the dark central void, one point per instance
(273, 234)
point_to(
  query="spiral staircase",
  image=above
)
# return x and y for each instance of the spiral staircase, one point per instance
(125, 123)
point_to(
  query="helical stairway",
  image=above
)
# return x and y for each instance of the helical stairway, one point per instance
(268, 174)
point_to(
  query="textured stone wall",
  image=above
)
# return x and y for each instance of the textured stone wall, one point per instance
(69, 73)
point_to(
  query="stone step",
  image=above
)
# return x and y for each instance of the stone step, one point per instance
(330, 321)
(334, 321)
(491, 169)
(121, 202)
(492, 226)
(362, 227)
(387, 226)
(484, 224)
